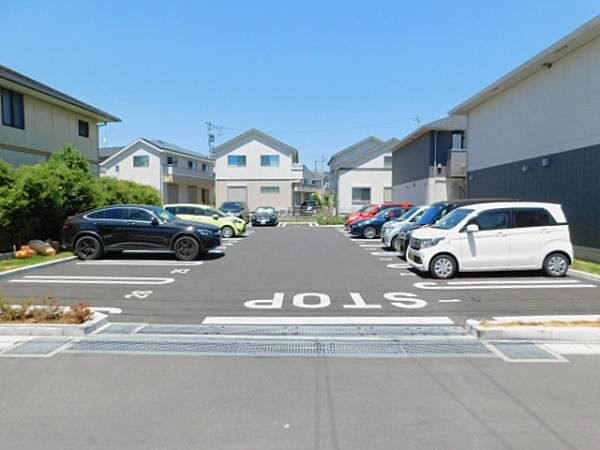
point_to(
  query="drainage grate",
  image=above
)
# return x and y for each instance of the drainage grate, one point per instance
(283, 348)
(120, 328)
(274, 330)
(37, 347)
(523, 351)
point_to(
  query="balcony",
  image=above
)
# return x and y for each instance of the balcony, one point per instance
(457, 163)
(173, 174)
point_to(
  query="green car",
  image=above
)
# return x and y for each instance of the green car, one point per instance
(230, 226)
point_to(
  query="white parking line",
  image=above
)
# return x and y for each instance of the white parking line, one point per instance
(380, 253)
(398, 266)
(502, 284)
(134, 262)
(370, 245)
(91, 280)
(326, 320)
(449, 300)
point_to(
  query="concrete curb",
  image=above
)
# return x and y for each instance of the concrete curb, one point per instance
(58, 329)
(589, 276)
(36, 266)
(532, 333)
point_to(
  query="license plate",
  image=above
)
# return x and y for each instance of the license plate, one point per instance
(262, 222)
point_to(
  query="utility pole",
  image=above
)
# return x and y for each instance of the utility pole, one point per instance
(210, 131)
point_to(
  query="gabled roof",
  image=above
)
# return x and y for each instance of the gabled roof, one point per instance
(383, 147)
(542, 61)
(107, 152)
(450, 123)
(251, 134)
(161, 147)
(70, 102)
(368, 140)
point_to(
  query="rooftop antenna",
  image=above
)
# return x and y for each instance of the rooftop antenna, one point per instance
(417, 119)
(210, 132)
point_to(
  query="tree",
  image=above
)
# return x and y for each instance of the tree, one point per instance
(113, 191)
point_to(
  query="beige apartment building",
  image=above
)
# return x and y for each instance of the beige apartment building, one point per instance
(37, 120)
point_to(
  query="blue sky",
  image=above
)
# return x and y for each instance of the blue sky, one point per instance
(317, 75)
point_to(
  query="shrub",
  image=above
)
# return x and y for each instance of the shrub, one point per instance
(43, 311)
(78, 313)
(331, 220)
(112, 191)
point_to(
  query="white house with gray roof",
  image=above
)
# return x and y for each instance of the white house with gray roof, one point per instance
(362, 174)
(37, 120)
(180, 175)
(260, 170)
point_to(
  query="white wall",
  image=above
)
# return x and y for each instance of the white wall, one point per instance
(554, 110)
(151, 176)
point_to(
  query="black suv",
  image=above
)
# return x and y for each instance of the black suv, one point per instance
(236, 209)
(136, 227)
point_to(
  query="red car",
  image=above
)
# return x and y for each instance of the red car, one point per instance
(370, 210)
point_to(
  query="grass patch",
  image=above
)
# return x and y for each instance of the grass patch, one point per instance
(331, 220)
(13, 263)
(586, 266)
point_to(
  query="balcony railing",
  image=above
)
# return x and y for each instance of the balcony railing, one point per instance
(171, 171)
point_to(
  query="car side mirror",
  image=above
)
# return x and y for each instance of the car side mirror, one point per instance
(215, 217)
(154, 221)
(472, 228)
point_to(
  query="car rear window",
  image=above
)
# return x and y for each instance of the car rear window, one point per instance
(525, 218)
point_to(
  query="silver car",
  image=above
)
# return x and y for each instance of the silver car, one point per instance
(390, 230)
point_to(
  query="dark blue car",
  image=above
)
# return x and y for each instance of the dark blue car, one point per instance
(371, 227)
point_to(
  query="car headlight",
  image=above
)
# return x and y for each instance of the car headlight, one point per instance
(430, 242)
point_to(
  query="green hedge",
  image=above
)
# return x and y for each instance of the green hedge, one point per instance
(35, 200)
(331, 220)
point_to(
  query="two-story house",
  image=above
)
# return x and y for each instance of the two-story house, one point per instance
(38, 120)
(180, 175)
(362, 174)
(260, 170)
(429, 164)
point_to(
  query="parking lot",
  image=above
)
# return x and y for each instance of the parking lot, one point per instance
(276, 275)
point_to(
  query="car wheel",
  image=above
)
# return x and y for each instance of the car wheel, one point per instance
(397, 244)
(556, 265)
(227, 231)
(443, 267)
(369, 233)
(186, 248)
(393, 243)
(88, 247)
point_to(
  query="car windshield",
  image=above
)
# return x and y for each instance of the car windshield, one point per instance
(216, 212)
(264, 210)
(362, 208)
(231, 206)
(454, 218)
(369, 209)
(431, 215)
(406, 215)
(163, 213)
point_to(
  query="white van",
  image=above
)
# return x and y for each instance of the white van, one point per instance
(494, 236)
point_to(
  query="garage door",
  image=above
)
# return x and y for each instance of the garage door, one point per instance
(237, 194)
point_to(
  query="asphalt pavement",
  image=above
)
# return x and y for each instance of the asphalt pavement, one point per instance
(296, 270)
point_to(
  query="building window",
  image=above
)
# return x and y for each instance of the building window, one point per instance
(192, 165)
(171, 161)
(269, 189)
(84, 129)
(141, 161)
(387, 162)
(361, 195)
(117, 168)
(236, 160)
(12, 109)
(269, 160)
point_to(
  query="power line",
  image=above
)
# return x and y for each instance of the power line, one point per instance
(416, 119)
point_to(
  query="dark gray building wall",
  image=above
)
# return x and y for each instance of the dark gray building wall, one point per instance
(572, 179)
(413, 161)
